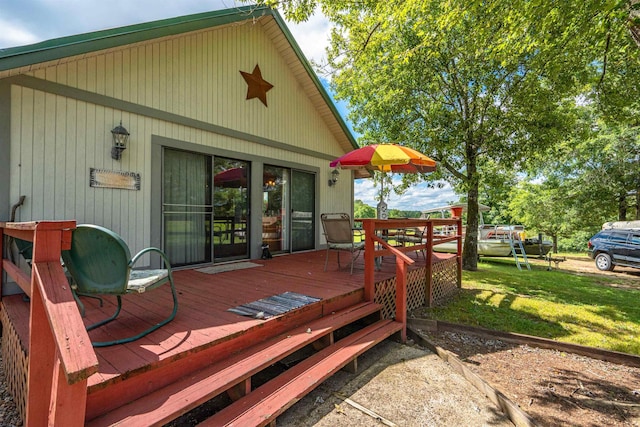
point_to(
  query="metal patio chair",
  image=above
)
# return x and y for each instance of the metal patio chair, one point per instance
(412, 236)
(100, 263)
(340, 236)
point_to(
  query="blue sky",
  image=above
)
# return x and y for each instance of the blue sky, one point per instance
(30, 21)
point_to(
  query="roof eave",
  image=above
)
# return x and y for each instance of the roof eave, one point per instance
(64, 47)
(314, 77)
(54, 49)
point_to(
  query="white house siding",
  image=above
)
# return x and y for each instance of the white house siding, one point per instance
(197, 75)
(56, 139)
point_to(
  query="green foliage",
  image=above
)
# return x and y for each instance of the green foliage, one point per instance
(543, 207)
(360, 210)
(606, 169)
(596, 172)
(489, 90)
(577, 241)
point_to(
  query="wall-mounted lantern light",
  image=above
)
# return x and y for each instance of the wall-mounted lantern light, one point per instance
(120, 139)
(334, 177)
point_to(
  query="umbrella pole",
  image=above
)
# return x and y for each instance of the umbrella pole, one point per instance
(382, 206)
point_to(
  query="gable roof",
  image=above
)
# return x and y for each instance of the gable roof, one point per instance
(53, 50)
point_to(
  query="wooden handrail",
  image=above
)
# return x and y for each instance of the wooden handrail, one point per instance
(371, 226)
(401, 283)
(61, 357)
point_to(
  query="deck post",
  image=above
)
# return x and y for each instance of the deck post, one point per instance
(369, 227)
(401, 296)
(428, 289)
(42, 347)
(65, 397)
(459, 254)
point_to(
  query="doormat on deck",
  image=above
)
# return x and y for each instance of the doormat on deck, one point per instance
(272, 306)
(228, 267)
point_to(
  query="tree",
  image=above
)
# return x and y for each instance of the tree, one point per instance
(607, 169)
(360, 210)
(479, 86)
(599, 169)
(545, 208)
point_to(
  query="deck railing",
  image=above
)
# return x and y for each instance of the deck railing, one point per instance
(61, 357)
(376, 246)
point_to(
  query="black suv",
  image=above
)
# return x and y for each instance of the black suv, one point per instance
(615, 247)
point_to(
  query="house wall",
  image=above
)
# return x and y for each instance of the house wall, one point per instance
(5, 147)
(185, 88)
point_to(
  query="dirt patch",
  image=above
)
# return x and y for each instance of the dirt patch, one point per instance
(553, 387)
(620, 277)
(402, 385)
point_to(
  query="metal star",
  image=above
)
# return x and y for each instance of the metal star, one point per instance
(257, 87)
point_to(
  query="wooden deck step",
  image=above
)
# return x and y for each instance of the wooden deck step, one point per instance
(265, 403)
(175, 399)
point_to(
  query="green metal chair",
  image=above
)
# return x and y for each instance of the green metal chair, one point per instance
(100, 263)
(25, 249)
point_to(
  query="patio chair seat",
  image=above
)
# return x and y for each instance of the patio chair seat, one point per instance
(410, 239)
(99, 262)
(339, 234)
(347, 246)
(141, 280)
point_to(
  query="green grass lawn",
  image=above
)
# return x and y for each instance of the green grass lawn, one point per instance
(592, 310)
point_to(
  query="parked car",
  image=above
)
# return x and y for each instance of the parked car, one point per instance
(615, 247)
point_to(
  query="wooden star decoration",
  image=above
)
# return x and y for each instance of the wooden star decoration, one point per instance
(257, 87)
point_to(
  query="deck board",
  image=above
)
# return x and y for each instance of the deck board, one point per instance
(204, 331)
(204, 299)
(203, 303)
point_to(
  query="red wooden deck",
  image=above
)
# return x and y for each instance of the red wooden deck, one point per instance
(207, 350)
(204, 331)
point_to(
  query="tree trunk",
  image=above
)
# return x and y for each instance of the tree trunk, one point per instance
(554, 248)
(470, 249)
(622, 207)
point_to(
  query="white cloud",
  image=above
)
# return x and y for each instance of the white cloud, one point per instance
(13, 34)
(417, 198)
(312, 36)
(37, 20)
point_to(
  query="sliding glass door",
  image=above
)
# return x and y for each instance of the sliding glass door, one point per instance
(288, 209)
(230, 208)
(205, 207)
(187, 207)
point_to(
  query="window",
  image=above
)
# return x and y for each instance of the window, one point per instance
(618, 237)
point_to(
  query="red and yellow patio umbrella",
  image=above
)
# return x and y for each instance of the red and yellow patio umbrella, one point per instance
(386, 158)
(392, 158)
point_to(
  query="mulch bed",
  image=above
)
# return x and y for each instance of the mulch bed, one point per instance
(555, 388)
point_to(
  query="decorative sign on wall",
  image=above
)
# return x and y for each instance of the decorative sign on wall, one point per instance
(257, 87)
(102, 178)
